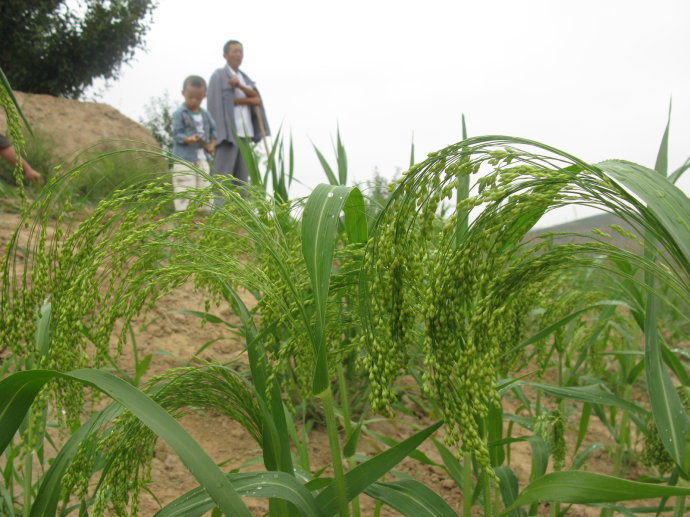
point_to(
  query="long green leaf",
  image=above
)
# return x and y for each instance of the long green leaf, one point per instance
(415, 455)
(341, 158)
(207, 317)
(675, 364)
(276, 451)
(6, 501)
(251, 163)
(350, 447)
(581, 487)
(670, 417)
(675, 175)
(48, 494)
(494, 424)
(452, 464)
(43, 329)
(319, 235)
(6, 84)
(666, 201)
(356, 218)
(661, 164)
(326, 168)
(581, 458)
(584, 425)
(462, 193)
(363, 475)
(278, 485)
(23, 387)
(540, 456)
(291, 162)
(547, 331)
(411, 498)
(18, 392)
(412, 151)
(593, 394)
(509, 489)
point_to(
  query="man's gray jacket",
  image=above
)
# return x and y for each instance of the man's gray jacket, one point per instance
(220, 103)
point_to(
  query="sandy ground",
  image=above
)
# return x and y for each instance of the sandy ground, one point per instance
(173, 337)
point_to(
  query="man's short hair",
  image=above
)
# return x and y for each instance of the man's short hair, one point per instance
(194, 80)
(228, 43)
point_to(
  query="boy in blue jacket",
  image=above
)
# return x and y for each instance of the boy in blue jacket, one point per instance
(194, 135)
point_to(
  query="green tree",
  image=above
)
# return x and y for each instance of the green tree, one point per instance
(158, 120)
(59, 47)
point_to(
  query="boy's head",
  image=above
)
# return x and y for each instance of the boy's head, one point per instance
(193, 91)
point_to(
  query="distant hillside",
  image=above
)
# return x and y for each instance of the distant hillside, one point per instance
(585, 226)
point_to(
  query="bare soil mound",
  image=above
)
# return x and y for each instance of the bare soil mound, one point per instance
(75, 126)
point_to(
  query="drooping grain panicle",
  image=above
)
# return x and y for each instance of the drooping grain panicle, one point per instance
(126, 446)
(465, 301)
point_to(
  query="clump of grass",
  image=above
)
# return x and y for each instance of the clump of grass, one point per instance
(95, 174)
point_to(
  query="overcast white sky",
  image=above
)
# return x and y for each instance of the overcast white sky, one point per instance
(592, 77)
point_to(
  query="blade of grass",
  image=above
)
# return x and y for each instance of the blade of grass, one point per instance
(319, 234)
(8, 88)
(25, 385)
(661, 164)
(593, 394)
(579, 487)
(341, 158)
(326, 168)
(664, 200)
(412, 150)
(669, 415)
(462, 193)
(545, 332)
(43, 330)
(278, 485)
(675, 175)
(540, 456)
(359, 478)
(411, 498)
(48, 495)
(509, 489)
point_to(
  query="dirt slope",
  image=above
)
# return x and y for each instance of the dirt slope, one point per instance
(75, 126)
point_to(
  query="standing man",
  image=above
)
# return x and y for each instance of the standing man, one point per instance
(235, 105)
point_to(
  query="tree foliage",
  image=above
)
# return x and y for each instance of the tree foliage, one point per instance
(60, 47)
(157, 119)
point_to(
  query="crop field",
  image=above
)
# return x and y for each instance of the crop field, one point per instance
(350, 340)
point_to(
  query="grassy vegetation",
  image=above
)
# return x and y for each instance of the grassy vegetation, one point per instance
(512, 338)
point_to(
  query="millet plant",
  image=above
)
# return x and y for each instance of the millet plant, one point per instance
(446, 284)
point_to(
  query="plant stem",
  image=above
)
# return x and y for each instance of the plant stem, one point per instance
(327, 397)
(467, 486)
(344, 401)
(377, 509)
(347, 422)
(620, 451)
(555, 509)
(488, 500)
(28, 475)
(679, 508)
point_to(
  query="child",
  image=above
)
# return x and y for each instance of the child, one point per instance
(194, 135)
